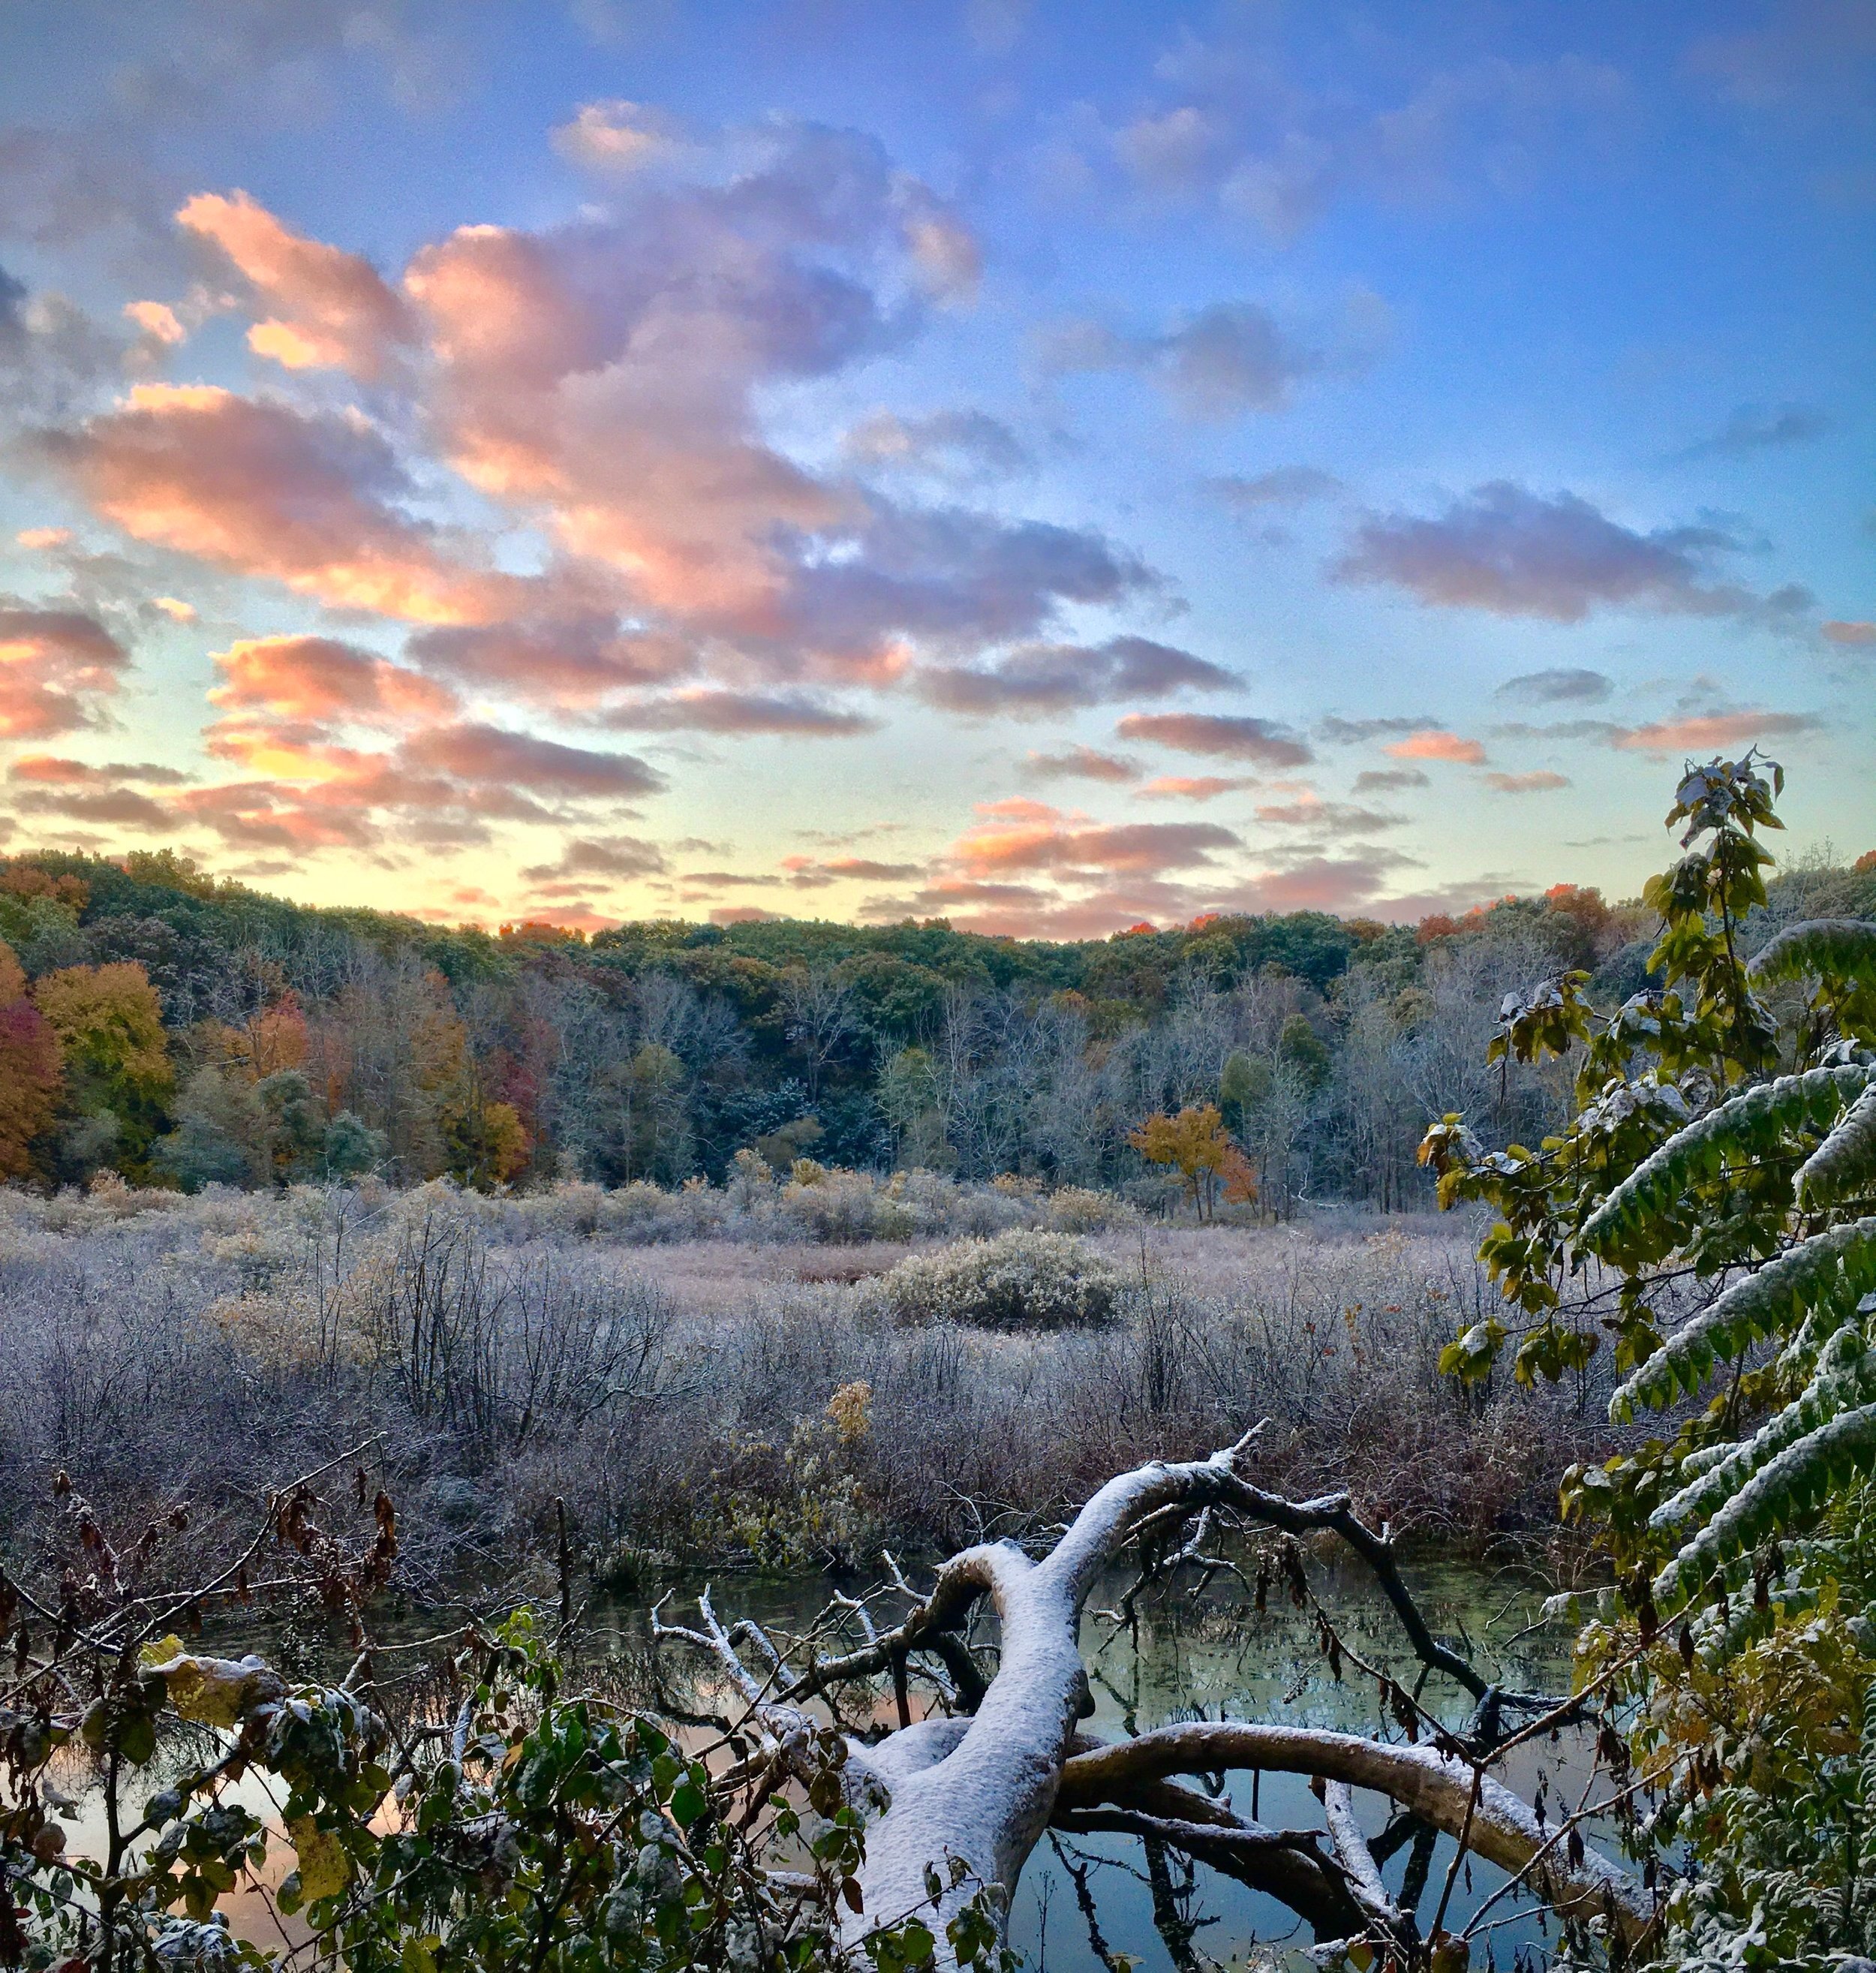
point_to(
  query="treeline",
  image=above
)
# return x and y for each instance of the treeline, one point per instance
(182, 1031)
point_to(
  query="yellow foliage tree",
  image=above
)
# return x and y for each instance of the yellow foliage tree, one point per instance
(1197, 1142)
(115, 1055)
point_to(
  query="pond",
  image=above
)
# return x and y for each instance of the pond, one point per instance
(1218, 1658)
(1092, 1902)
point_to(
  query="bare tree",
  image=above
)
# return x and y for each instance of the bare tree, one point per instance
(819, 1016)
(957, 1803)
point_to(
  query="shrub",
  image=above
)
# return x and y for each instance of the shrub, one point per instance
(1020, 1279)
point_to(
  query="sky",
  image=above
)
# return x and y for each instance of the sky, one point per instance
(1048, 466)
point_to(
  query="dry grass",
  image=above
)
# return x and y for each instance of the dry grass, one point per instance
(172, 1348)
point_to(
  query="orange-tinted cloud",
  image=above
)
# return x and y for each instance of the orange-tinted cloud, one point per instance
(602, 379)
(331, 310)
(54, 769)
(1704, 732)
(1434, 744)
(1856, 634)
(320, 680)
(1020, 835)
(1083, 764)
(1192, 787)
(55, 666)
(306, 499)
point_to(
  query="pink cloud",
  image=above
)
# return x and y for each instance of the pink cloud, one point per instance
(332, 310)
(1192, 787)
(56, 665)
(318, 679)
(253, 485)
(1854, 633)
(1433, 745)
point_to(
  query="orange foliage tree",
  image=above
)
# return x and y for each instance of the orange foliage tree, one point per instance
(30, 1077)
(1198, 1145)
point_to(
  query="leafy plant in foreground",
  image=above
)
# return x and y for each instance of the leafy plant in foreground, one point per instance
(1720, 1219)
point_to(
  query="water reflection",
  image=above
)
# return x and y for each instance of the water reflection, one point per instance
(1084, 1902)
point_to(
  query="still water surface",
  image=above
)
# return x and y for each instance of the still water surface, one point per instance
(1220, 1659)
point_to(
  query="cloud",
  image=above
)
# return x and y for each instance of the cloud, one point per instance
(319, 680)
(56, 665)
(571, 661)
(1753, 428)
(1228, 359)
(1283, 486)
(1537, 782)
(808, 873)
(1854, 635)
(945, 253)
(1241, 737)
(1326, 818)
(1389, 780)
(1239, 124)
(600, 381)
(1434, 744)
(1809, 53)
(1700, 733)
(332, 310)
(1516, 553)
(1560, 685)
(1020, 835)
(252, 485)
(1084, 763)
(705, 710)
(614, 857)
(157, 321)
(120, 808)
(616, 136)
(1192, 787)
(487, 755)
(1040, 679)
(53, 768)
(1174, 152)
(1357, 732)
(955, 445)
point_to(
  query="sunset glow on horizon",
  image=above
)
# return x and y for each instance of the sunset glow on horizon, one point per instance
(1051, 468)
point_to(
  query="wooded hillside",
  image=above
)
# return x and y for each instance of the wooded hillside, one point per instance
(181, 1030)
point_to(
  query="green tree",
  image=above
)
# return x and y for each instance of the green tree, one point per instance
(1719, 1219)
(1302, 1050)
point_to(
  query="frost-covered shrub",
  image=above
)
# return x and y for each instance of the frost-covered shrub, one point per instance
(1020, 1279)
(1076, 1209)
(837, 1206)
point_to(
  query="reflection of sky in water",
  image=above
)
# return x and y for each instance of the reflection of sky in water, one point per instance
(1215, 1660)
(1220, 1660)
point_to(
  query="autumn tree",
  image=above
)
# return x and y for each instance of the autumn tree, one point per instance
(31, 1078)
(1197, 1144)
(116, 1055)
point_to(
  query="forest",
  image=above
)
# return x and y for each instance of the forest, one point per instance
(181, 1031)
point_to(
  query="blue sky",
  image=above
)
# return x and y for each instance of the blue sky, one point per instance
(1046, 466)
